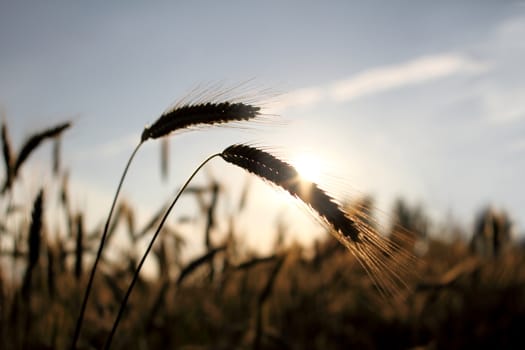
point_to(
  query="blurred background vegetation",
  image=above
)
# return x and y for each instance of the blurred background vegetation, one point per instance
(465, 289)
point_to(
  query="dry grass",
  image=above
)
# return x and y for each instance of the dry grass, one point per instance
(316, 299)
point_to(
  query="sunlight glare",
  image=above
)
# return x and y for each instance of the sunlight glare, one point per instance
(308, 167)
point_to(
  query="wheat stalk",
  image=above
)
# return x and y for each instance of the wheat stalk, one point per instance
(8, 155)
(181, 117)
(146, 253)
(79, 246)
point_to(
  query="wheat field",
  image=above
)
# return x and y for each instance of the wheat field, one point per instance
(360, 286)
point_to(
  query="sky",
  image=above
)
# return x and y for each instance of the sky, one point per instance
(419, 99)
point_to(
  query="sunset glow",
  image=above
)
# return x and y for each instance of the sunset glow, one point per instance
(308, 167)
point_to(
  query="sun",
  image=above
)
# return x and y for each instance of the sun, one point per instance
(308, 167)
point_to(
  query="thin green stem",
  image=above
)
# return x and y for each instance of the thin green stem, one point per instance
(148, 249)
(99, 252)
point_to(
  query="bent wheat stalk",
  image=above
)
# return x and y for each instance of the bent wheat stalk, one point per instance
(363, 242)
(148, 249)
(181, 117)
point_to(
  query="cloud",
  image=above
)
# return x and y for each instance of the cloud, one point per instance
(376, 80)
(298, 98)
(424, 69)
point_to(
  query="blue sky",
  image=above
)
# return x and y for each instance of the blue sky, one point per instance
(420, 99)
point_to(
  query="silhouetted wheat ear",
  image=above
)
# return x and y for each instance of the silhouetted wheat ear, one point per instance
(35, 229)
(34, 241)
(385, 262)
(209, 113)
(282, 174)
(32, 143)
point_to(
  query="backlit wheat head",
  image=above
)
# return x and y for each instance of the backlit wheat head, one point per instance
(384, 262)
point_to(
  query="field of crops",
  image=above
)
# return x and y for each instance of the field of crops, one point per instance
(401, 288)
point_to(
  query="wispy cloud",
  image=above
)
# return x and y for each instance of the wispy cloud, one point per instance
(380, 79)
(417, 71)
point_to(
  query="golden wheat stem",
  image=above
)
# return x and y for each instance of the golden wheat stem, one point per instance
(148, 249)
(99, 252)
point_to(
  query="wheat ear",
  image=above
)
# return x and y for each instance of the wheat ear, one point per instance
(32, 143)
(384, 261)
(13, 164)
(34, 242)
(282, 174)
(209, 113)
